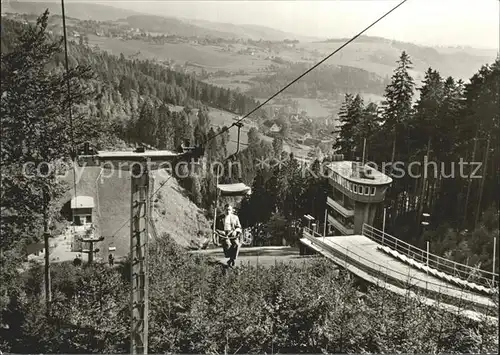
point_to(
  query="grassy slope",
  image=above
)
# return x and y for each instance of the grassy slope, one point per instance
(211, 58)
(234, 82)
(174, 213)
(179, 52)
(182, 219)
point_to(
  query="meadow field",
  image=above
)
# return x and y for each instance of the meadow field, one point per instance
(211, 58)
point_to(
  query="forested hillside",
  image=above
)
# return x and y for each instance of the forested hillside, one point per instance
(329, 79)
(127, 89)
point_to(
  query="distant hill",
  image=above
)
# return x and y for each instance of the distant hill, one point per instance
(82, 11)
(170, 25)
(152, 23)
(379, 55)
(189, 27)
(254, 32)
(374, 54)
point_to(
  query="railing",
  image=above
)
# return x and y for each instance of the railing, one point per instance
(465, 272)
(439, 291)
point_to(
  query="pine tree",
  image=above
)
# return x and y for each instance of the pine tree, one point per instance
(253, 138)
(450, 119)
(147, 124)
(481, 108)
(222, 140)
(342, 142)
(398, 103)
(351, 116)
(426, 125)
(260, 205)
(367, 127)
(277, 146)
(34, 114)
(212, 148)
(316, 190)
(36, 131)
(201, 127)
(295, 190)
(164, 136)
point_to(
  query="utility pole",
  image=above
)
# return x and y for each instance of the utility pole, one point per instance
(364, 151)
(383, 225)
(469, 182)
(46, 236)
(325, 223)
(48, 292)
(216, 205)
(485, 169)
(139, 242)
(140, 163)
(424, 182)
(493, 268)
(427, 260)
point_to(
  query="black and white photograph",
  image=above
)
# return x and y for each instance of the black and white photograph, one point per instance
(249, 177)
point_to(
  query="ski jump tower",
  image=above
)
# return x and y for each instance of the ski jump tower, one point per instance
(356, 191)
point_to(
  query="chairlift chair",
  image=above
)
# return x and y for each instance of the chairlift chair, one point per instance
(231, 190)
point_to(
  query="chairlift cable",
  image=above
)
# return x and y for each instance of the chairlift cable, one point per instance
(314, 66)
(66, 61)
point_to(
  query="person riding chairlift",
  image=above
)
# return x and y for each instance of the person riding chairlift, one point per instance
(232, 231)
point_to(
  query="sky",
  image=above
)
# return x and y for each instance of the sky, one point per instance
(472, 23)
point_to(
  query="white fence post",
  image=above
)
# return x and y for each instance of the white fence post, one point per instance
(324, 226)
(383, 227)
(427, 263)
(494, 255)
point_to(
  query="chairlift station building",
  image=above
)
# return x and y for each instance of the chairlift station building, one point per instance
(81, 208)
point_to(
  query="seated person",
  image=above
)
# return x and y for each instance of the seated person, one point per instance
(232, 230)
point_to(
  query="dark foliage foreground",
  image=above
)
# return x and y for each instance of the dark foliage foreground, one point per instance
(198, 308)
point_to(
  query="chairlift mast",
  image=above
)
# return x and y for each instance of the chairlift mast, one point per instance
(91, 250)
(139, 163)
